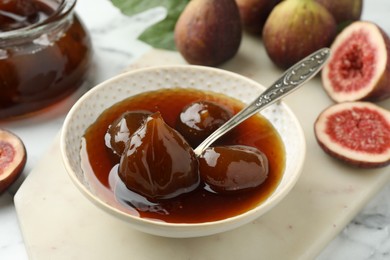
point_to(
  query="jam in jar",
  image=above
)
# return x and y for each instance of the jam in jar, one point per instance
(45, 53)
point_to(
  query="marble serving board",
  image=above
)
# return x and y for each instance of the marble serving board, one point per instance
(58, 222)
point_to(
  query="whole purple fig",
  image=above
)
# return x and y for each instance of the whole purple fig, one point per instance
(296, 28)
(208, 32)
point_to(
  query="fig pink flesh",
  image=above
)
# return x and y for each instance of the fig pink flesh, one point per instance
(353, 64)
(7, 154)
(360, 129)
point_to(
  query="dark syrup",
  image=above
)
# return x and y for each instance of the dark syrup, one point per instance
(17, 14)
(37, 72)
(201, 205)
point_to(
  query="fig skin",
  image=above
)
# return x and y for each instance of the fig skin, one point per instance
(208, 32)
(346, 76)
(356, 133)
(13, 158)
(235, 168)
(343, 11)
(295, 29)
(254, 13)
(157, 162)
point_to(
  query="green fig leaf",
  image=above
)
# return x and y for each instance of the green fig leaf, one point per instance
(159, 35)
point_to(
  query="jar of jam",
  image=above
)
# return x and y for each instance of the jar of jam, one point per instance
(45, 53)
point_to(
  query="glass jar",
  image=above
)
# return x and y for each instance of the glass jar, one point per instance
(42, 62)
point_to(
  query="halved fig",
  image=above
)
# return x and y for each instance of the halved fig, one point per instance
(359, 65)
(357, 133)
(12, 158)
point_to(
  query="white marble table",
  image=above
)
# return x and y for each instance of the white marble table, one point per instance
(115, 46)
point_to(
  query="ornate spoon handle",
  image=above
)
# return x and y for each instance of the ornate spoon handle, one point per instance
(293, 78)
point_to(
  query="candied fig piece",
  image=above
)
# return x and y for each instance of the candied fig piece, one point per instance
(228, 169)
(157, 162)
(119, 132)
(357, 133)
(199, 119)
(12, 158)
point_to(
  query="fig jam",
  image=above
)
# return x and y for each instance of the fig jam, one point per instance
(100, 164)
(44, 54)
(17, 14)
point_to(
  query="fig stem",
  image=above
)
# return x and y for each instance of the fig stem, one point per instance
(294, 77)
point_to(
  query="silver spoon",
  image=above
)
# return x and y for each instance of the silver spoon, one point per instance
(293, 78)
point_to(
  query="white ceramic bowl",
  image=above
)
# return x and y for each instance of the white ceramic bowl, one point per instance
(90, 106)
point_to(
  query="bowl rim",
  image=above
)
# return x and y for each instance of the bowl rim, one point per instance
(250, 214)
